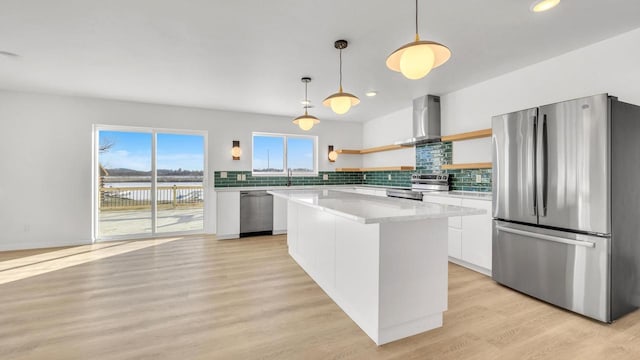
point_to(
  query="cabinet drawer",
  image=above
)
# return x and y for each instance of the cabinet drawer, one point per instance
(455, 222)
(442, 200)
(455, 243)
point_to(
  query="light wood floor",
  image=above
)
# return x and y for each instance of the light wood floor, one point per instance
(199, 298)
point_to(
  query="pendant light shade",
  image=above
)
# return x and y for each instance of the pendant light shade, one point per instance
(306, 121)
(341, 101)
(416, 59)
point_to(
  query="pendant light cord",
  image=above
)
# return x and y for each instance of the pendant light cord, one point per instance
(340, 70)
(306, 98)
(417, 36)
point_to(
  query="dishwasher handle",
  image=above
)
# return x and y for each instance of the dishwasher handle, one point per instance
(254, 193)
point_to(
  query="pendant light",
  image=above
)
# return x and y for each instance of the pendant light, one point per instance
(416, 59)
(341, 102)
(306, 121)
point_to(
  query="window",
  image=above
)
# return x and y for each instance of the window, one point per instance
(273, 154)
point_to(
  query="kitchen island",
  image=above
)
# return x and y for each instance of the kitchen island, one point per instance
(382, 260)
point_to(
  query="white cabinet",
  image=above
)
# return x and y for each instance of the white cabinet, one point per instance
(228, 215)
(455, 224)
(469, 237)
(476, 234)
(279, 215)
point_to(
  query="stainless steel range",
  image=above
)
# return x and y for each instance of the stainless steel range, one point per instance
(421, 183)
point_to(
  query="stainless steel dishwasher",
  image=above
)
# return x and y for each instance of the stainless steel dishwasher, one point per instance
(256, 213)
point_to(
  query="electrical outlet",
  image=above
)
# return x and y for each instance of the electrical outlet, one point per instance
(478, 178)
(244, 177)
(364, 177)
(389, 177)
(239, 177)
(325, 177)
(223, 175)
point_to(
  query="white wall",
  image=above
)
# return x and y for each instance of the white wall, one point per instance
(45, 167)
(386, 130)
(612, 66)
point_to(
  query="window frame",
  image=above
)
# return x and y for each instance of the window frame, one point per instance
(285, 138)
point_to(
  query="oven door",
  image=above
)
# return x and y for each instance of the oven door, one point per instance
(565, 269)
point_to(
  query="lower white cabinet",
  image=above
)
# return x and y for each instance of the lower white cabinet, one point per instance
(469, 237)
(476, 235)
(455, 243)
(279, 216)
(227, 214)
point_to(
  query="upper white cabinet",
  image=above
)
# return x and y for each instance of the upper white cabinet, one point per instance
(228, 214)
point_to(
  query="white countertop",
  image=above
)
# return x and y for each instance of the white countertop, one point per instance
(368, 209)
(473, 195)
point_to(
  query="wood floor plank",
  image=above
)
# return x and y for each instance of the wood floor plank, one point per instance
(199, 298)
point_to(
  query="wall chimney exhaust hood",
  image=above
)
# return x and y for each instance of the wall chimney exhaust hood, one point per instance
(426, 121)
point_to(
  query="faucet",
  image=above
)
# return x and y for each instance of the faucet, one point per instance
(289, 174)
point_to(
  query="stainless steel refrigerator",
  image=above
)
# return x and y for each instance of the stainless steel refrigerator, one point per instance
(566, 204)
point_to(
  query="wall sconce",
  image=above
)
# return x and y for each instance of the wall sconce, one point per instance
(235, 150)
(333, 155)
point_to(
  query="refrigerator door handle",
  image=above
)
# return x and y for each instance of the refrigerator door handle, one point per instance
(533, 160)
(547, 237)
(542, 168)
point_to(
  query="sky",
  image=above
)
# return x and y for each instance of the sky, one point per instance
(132, 150)
(268, 152)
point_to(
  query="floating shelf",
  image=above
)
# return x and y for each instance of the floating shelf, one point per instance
(385, 168)
(467, 166)
(468, 135)
(370, 150)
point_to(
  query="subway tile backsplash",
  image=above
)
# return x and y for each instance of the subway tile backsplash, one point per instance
(334, 178)
(429, 159)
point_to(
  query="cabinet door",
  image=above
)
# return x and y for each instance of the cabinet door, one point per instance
(476, 234)
(455, 243)
(454, 222)
(279, 215)
(228, 215)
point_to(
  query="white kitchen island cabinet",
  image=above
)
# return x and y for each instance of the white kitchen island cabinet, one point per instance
(382, 260)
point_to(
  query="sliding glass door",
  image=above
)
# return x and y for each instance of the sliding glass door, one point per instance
(149, 182)
(180, 188)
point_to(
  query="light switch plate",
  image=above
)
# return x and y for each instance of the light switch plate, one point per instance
(239, 177)
(223, 175)
(325, 177)
(244, 177)
(478, 178)
(389, 177)
(364, 177)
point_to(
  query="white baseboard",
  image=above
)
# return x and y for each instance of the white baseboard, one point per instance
(41, 245)
(470, 266)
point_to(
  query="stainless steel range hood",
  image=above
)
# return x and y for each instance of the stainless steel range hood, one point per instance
(426, 121)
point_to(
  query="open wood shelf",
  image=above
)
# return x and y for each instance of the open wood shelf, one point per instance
(384, 168)
(468, 135)
(467, 166)
(369, 150)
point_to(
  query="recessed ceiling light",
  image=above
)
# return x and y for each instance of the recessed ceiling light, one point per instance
(371, 93)
(544, 5)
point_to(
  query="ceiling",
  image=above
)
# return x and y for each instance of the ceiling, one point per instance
(245, 55)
